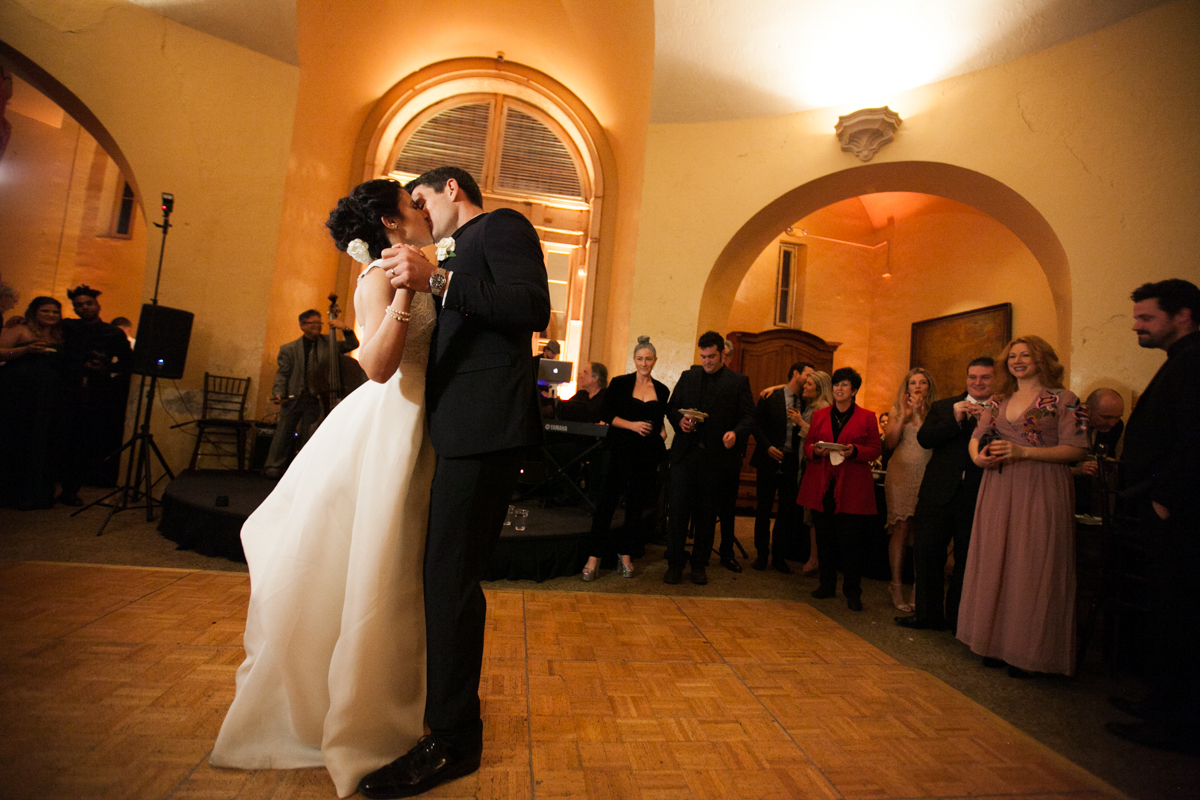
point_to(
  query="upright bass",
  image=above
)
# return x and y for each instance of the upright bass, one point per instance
(335, 394)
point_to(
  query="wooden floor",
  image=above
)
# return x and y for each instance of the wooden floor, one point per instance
(114, 682)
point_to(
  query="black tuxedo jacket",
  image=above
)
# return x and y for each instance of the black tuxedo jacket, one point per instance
(1161, 459)
(480, 388)
(770, 430)
(729, 405)
(950, 464)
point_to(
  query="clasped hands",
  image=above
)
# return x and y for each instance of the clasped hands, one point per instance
(999, 452)
(407, 268)
(965, 408)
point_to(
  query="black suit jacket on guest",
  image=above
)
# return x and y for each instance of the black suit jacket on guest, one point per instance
(1161, 459)
(770, 429)
(729, 405)
(950, 464)
(480, 391)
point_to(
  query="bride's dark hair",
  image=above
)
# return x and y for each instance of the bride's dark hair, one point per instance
(360, 214)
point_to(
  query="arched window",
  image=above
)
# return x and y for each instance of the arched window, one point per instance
(522, 159)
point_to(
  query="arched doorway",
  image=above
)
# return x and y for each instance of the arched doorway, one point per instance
(964, 186)
(531, 144)
(70, 210)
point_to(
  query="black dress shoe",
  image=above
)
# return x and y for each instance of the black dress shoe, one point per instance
(781, 566)
(731, 564)
(821, 592)
(1156, 735)
(760, 563)
(673, 575)
(431, 763)
(699, 576)
(854, 603)
(916, 623)
(1134, 708)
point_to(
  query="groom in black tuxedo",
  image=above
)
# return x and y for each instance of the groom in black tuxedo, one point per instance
(481, 404)
(946, 503)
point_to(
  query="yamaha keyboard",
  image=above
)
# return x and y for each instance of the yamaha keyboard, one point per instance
(577, 428)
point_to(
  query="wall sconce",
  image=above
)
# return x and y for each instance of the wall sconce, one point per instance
(866, 130)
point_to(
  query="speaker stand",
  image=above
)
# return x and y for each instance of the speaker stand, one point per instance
(139, 484)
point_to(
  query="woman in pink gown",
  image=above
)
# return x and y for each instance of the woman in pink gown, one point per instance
(1018, 601)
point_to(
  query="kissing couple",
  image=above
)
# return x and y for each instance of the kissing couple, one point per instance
(366, 618)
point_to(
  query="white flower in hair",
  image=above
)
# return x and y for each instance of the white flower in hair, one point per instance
(445, 249)
(359, 251)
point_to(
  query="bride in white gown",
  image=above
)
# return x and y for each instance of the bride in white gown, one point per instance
(334, 674)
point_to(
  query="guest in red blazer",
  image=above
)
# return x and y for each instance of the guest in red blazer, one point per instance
(839, 488)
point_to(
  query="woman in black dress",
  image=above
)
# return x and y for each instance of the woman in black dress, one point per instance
(635, 406)
(32, 387)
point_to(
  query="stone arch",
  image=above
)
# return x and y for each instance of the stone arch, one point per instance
(47, 84)
(943, 180)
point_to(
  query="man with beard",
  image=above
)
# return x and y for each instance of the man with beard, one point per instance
(1161, 470)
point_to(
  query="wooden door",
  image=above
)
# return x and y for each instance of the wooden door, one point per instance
(765, 358)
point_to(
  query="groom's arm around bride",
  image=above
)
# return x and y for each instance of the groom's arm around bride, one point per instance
(481, 404)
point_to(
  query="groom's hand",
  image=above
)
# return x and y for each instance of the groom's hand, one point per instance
(407, 268)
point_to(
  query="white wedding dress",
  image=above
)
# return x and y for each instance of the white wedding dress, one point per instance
(334, 674)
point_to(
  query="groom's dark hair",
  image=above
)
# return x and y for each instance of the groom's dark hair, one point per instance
(436, 179)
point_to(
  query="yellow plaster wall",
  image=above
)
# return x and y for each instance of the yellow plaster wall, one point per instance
(193, 115)
(1086, 132)
(603, 52)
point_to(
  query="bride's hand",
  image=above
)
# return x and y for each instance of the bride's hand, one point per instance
(407, 268)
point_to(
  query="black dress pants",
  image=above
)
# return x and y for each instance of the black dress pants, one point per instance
(936, 526)
(777, 479)
(698, 483)
(469, 501)
(635, 476)
(1173, 643)
(842, 541)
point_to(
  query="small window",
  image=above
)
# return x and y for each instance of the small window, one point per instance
(124, 212)
(783, 285)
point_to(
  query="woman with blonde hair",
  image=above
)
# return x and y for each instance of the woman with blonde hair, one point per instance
(905, 470)
(817, 394)
(1018, 602)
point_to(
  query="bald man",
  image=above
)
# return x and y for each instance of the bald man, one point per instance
(1105, 407)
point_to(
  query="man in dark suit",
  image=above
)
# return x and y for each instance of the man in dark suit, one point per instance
(705, 455)
(946, 503)
(776, 460)
(1160, 473)
(302, 377)
(481, 403)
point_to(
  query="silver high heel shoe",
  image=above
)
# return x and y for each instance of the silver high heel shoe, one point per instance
(625, 570)
(589, 575)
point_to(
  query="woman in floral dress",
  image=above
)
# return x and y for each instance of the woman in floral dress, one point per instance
(1018, 601)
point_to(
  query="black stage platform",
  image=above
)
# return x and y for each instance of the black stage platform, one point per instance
(203, 510)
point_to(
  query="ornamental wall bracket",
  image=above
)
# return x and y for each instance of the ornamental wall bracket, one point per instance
(864, 131)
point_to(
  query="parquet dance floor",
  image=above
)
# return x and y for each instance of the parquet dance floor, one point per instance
(114, 681)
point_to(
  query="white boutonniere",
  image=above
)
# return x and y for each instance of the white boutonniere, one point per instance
(445, 249)
(358, 250)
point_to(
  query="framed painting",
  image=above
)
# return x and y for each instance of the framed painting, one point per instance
(945, 345)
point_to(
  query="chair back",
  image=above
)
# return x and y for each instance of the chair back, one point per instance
(224, 397)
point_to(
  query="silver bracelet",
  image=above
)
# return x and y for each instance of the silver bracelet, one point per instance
(399, 316)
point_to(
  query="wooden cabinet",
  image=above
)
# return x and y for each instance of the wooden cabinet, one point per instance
(764, 358)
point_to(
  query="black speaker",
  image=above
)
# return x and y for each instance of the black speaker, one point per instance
(163, 335)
